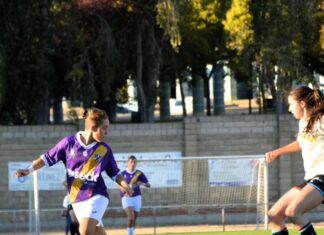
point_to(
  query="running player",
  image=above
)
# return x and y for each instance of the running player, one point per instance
(132, 203)
(307, 105)
(85, 156)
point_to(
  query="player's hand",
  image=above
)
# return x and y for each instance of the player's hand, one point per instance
(270, 156)
(22, 172)
(122, 190)
(129, 191)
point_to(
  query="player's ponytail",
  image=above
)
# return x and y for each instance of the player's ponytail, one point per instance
(318, 109)
(318, 99)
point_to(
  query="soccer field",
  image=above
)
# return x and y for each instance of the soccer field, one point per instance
(260, 232)
(122, 232)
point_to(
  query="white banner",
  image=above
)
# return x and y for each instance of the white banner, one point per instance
(232, 172)
(49, 178)
(160, 173)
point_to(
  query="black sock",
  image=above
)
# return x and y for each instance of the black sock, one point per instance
(307, 230)
(282, 232)
(74, 228)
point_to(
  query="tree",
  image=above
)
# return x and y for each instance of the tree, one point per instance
(282, 37)
(27, 69)
(240, 37)
(137, 24)
(202, 38)
(94, 59)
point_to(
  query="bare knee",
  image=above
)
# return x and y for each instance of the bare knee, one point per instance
(275, 215)
(87, 229)
(292, 212)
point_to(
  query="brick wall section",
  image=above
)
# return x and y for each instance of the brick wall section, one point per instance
(25, 143)
(203, 136)
(286, 171)
(146, 137)
(236, 135)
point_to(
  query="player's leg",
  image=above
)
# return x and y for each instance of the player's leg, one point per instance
(130, 220)
(68, 223)
(135, 218)
(310, 197)
(89, 214)
(277, 212)
(88, 226)
(137, 209)
(100, 231)
(92, 227)
(74, 227)
(128, 206)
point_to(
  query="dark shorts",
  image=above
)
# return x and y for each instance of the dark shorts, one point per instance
(317, 182)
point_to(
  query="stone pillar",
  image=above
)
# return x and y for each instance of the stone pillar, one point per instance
(164, 92)
(198, 96)
(219, 106)
(57, 111)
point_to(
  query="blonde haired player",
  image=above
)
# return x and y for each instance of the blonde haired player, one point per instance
(307, 105)
(85, 157)
(132, 203)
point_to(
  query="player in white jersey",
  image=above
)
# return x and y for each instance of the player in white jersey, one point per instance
(85, 157)
(307, 105)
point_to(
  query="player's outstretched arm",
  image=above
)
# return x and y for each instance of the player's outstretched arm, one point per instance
(289, 148)
(147, 185)
(37, 164)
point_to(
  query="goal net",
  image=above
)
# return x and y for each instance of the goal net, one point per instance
(204, 190)
(188, 191)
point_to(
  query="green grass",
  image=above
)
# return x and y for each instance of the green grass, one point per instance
(261, 232)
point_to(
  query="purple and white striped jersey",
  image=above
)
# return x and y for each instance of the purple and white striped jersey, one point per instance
(132, 178)
(84, 164)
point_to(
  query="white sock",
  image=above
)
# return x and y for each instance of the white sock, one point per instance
(130, 231)
(133, 231)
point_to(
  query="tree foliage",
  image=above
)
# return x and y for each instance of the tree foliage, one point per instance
(86, 50)
(238, 25)
(27, 71)
(282, 34)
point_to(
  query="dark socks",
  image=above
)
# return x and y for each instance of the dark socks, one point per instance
(307, 230)
(74, 228)
(282, 232)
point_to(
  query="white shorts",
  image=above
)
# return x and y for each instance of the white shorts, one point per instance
(93, 207)
(135, 202)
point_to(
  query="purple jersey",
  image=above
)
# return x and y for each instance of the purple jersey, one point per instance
(132, 178)
(84, 164)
